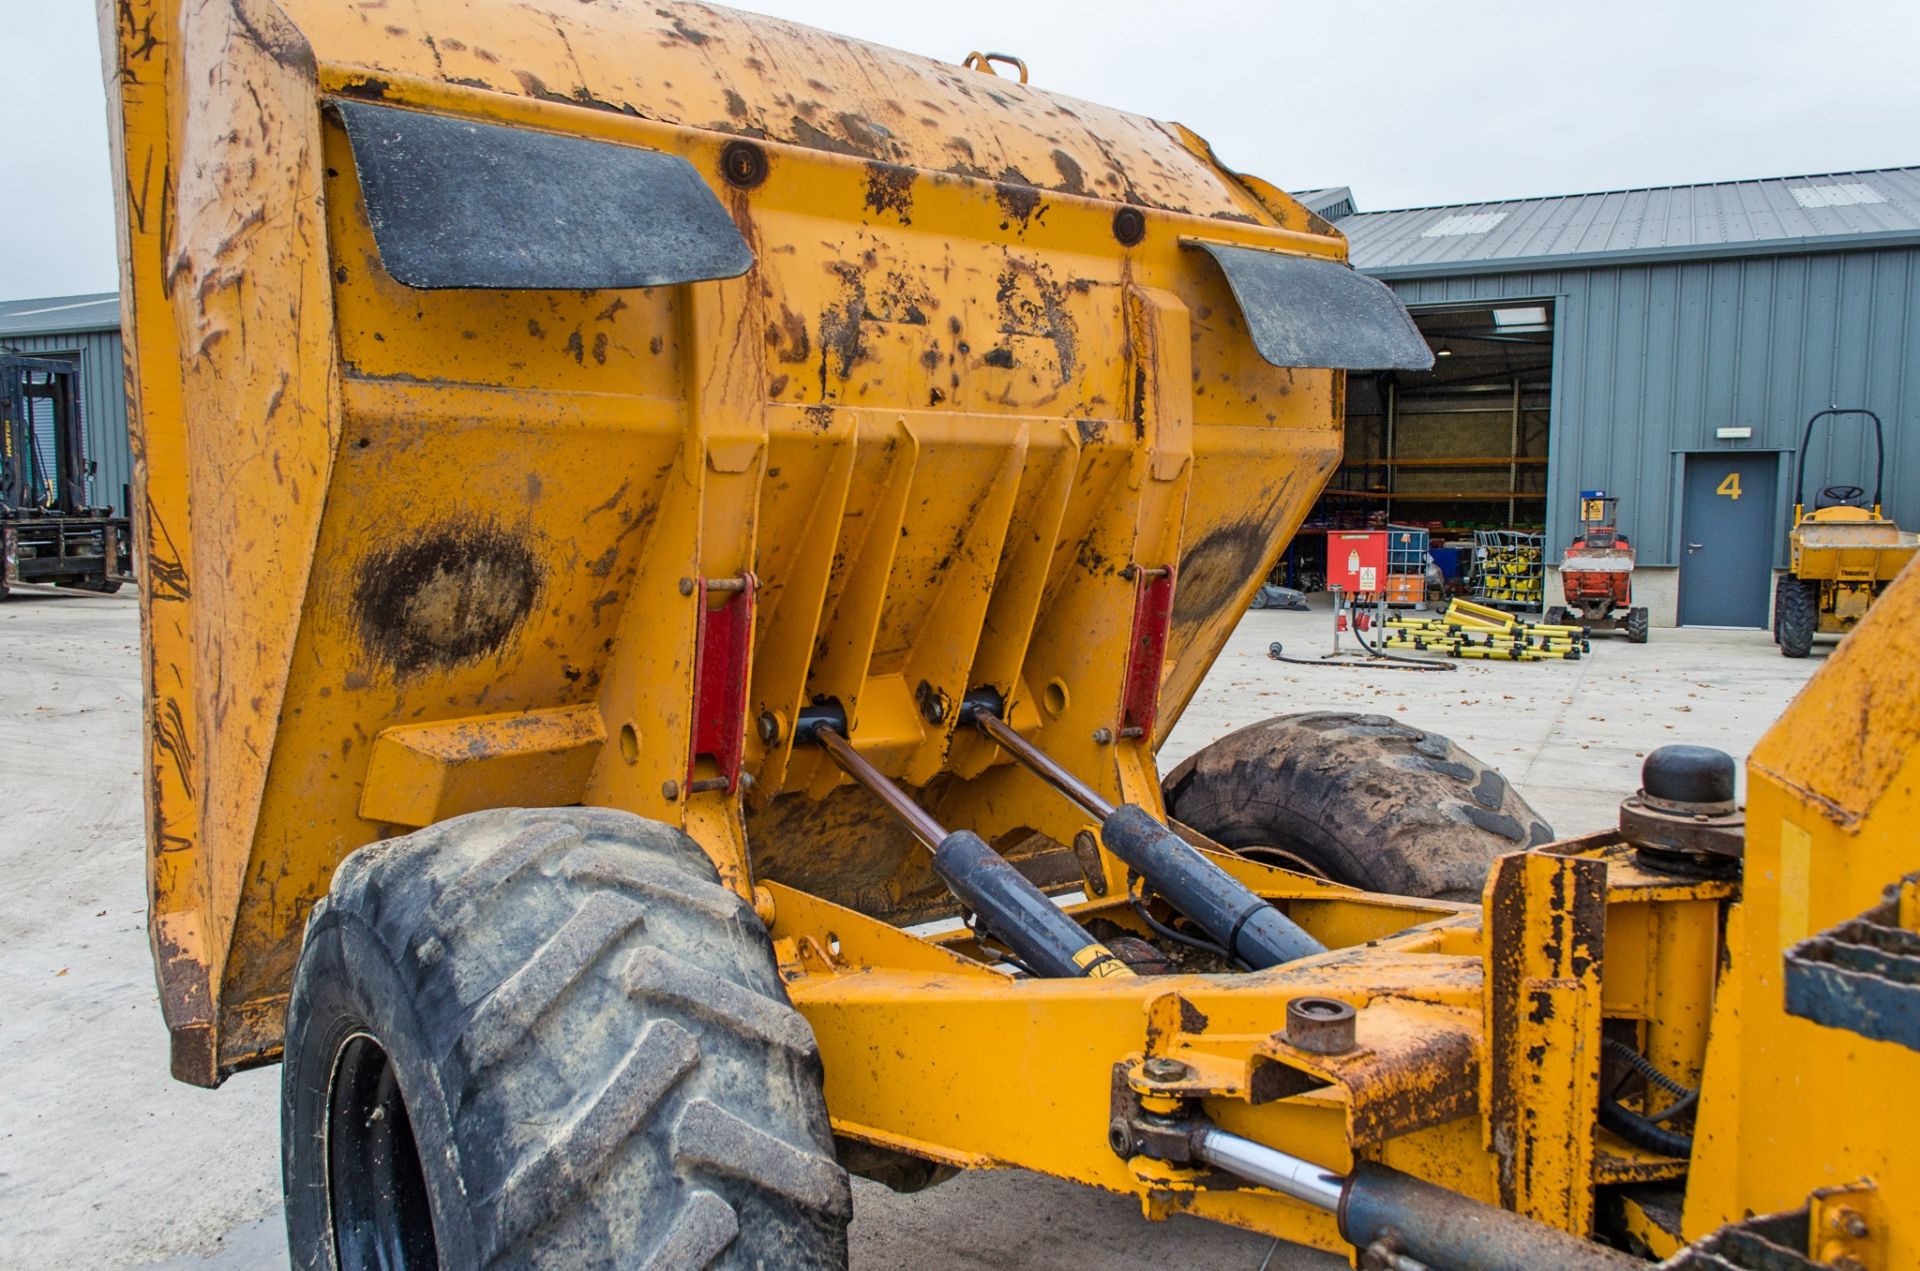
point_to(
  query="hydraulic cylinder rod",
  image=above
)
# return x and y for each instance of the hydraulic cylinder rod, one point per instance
(1258, 1163)
(1008, 904)
(1439, 1228)
(1246, 926)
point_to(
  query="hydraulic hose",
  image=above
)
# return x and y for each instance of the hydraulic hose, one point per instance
(1643, 1131)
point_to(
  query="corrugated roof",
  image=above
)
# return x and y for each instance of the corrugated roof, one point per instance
(1333, 202)
(57, 315)
(1729, 218)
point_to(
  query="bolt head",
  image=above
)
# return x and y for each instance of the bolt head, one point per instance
(1161, 1068)
(769, 726)
(1103, 736)
(670, 789)
(1120, 1137)
(686, 586)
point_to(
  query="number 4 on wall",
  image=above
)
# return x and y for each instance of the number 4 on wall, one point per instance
(1730, 486)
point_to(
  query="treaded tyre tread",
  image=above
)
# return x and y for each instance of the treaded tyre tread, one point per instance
(599, 1061)
(1365, 799)
(1796, 614)
(1637, 626)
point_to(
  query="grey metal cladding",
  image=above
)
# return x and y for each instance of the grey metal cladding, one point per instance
(1308, 312)
(1653, 357)
(456, 204)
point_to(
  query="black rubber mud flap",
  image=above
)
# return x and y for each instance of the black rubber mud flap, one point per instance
(1360, 799)
(1304, 311)
(550, 1038)
(455, 203)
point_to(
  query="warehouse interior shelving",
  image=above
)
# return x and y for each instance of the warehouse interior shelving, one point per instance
(1462, 445)
(1458, 450)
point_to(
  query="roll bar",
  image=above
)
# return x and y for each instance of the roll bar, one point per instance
(1800, 460)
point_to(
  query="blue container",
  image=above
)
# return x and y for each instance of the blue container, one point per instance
(1448, 559)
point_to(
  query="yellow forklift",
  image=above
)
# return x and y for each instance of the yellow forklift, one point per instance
(1841, 554)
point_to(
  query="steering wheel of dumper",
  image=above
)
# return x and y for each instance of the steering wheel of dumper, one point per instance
(1841, 496)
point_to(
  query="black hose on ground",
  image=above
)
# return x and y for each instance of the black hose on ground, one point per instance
(1374, 661)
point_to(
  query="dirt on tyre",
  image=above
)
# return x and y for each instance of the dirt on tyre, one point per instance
(1360, 799)
(1796, 612)
(550, 1038)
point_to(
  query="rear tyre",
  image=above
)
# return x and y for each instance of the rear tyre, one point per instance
(1558, 617)
(1796, 613)
(1637, 626)
(1361, 799)
(550, 1038)
(104, 586)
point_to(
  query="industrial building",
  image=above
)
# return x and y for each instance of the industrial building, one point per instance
(1665, 345)
(84, 330)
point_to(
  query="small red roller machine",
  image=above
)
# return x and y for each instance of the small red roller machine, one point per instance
(1596, 575)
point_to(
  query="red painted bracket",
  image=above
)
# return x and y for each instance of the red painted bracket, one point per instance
(722, 654)
(1146, 651)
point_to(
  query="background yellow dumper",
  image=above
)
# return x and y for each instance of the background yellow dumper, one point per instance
(1842, 553)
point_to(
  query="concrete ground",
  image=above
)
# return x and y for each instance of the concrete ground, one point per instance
(106, 1162)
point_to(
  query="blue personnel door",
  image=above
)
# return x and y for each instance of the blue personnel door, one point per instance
(1726, 547)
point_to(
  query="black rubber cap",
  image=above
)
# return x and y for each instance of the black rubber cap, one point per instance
(1689, 774)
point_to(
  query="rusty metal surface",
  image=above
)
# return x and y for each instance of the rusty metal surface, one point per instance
(1721, 836)
(1546, 921)
(953, 400)
(701, 66)
(1320, 1025)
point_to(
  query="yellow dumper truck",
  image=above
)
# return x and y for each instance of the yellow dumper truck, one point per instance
(669, 541)
(1841, 553)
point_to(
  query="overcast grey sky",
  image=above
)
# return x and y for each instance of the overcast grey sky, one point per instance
(1410, 102)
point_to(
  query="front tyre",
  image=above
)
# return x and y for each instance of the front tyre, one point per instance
(549, 1038)
(1796, 603)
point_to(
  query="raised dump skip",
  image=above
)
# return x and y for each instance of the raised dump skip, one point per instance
(544, 409)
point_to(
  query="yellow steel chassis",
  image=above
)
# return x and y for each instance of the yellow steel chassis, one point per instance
(937, 422)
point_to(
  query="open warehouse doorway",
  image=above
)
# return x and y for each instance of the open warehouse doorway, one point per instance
(1458, 452)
